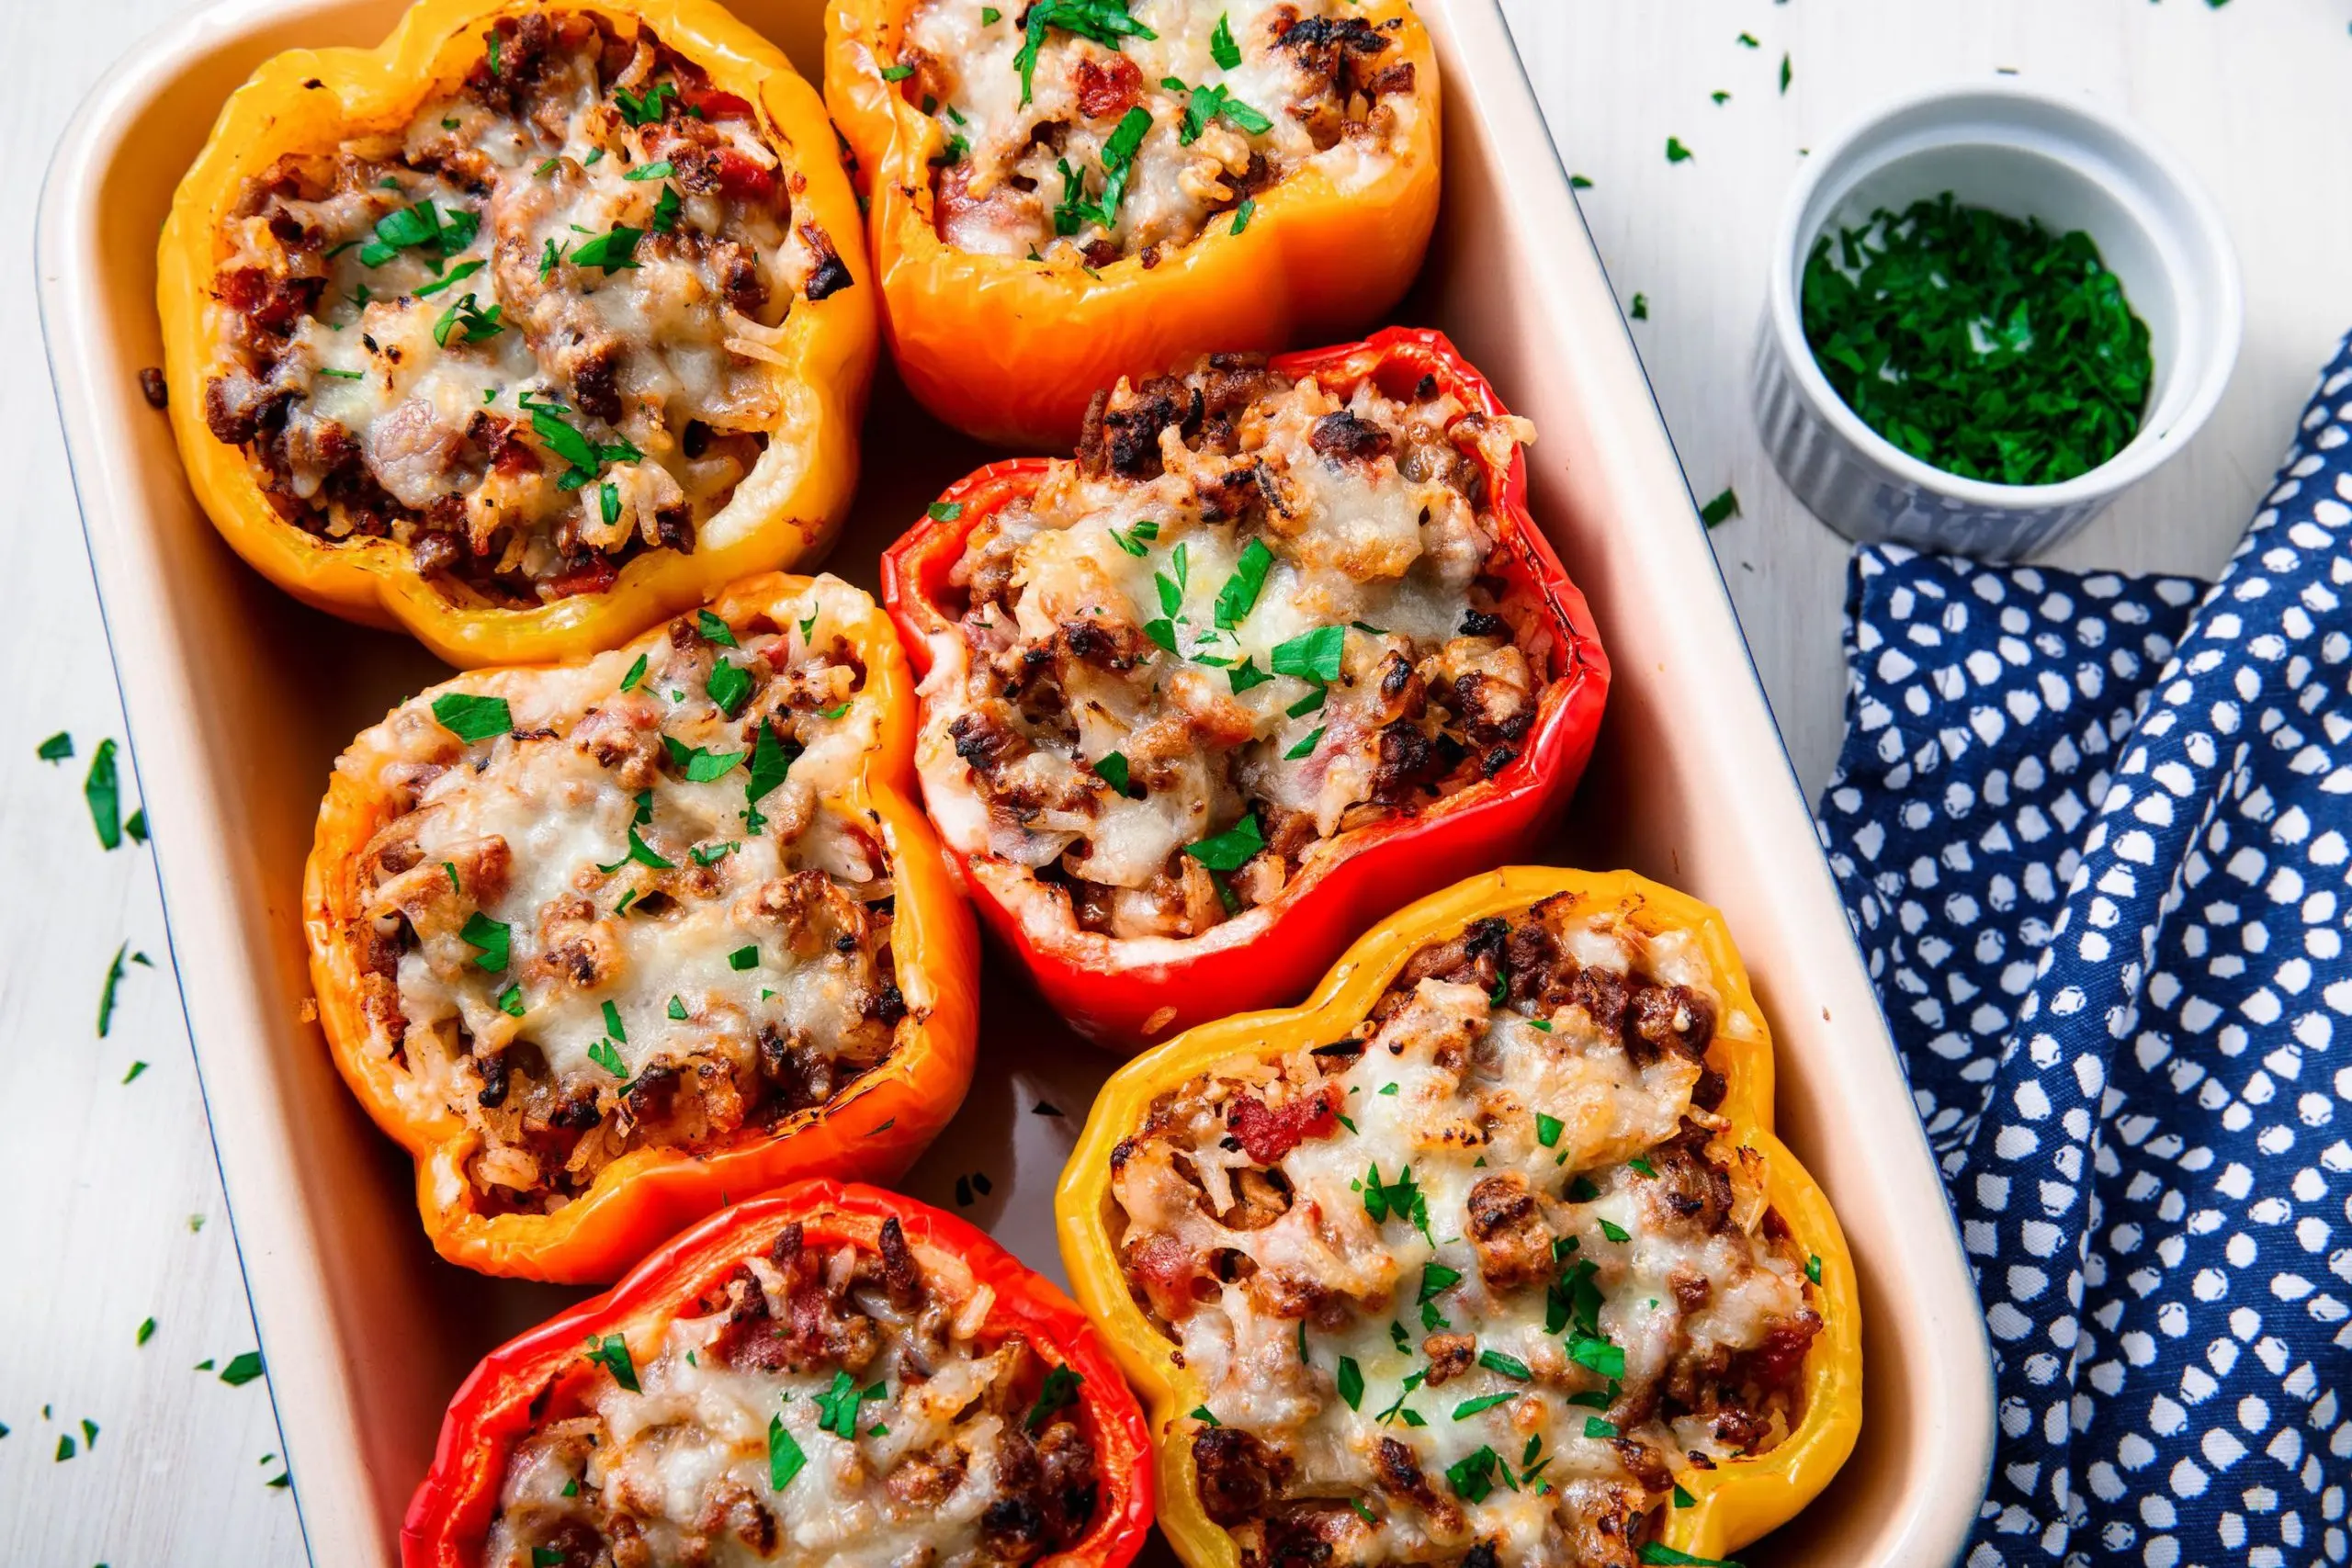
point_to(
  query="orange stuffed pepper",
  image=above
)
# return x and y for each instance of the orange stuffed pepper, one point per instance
(605, 943)
(1068, 193)
(541, 321)
(1485, 1255)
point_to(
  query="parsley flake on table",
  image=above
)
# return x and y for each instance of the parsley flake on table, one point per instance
(1640, 309)
(243, 1369)
(106, 992)
(1722, 509)
(1675, 152)
(102, 789)
(56, 748)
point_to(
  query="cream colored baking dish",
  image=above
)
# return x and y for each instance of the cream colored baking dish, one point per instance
(239, 700)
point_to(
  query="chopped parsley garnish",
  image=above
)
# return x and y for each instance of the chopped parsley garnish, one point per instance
(834, 712)
(1060, 1391)
(613, 1023)
(896, 72)
(1988, 346)
(146, 1331)
(546, 167)
(1473, 1477)
(243, 1369)
(467, 313)
(586, 457)
(744, 957)
(665, 210)
(1112, 771)
(1812, 1268)
(1682, 1498)
(715, 630)
(102, 790)
(1485, 1402)
(660, 171)
(1614, 1231)
(1722, 509)
(1643, 1167)
(677, 1009)
(458, 273)
(1136, 540)
(550, 258)
(1747, 40)
(1350, 1382)
(510, 1000)
(613, 1351)
(991, 16)
(1202, 1414)
(606, 1057)
(701, 766)
(1404, 1392)
(730, 686)
(1404, 1199)
(1508, 1366)
(496, 938)
(131, 1073)
(772, 759)
(944, 511)
(135, 825)
(1311, 656)
(1591, 1351)
(56, 748)
(1104, 21)
(647, 107)
(1246, 674)
(614, 252)
(1230, 850)
(1548, 1128)
(424, 227)
(1582, 1190)
(1594, 1426)
(1240, 595)
(1308, 704)
(1675, 152)
(1784, 76)
(1208, 104)
(641, 853)
(1640, 309)
(837, 1406)
(1074, 211)
(1243, 213)
(1306, 747)
(1222, 49)
(636, 674)
(471, 718)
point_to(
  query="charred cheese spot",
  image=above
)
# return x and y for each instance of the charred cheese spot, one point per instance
(626, 922)
(421, 341)
(1547, 1269)
(1246, 598)
(942, 1464)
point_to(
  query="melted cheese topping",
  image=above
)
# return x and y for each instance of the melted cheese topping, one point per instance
(683, 1468)
(1536, 1362)
(1034, 173)
(1210, 673)
(630, 901)
(540, 332)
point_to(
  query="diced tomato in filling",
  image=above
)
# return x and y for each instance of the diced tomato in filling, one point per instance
(1103, 93)
(1166, 1269)
(591, 576)
(711, 104)
(742, 178)
(1267, 1134)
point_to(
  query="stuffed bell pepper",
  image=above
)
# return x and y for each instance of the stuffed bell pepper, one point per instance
(1077, 190)
(1280, 650)
(602, 943)
(541, 321)
(1487, 1255)
(831, 1375)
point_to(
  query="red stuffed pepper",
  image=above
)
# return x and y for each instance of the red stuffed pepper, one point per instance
(1280, 650)
(830, 1374)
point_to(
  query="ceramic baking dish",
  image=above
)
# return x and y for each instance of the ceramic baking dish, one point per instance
(238, 699)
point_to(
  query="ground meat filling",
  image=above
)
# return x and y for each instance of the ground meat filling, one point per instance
(904, 1431)
(531, 334)
(1470, 1285)
(1252, 617)
(638, 915)
(1127, 128)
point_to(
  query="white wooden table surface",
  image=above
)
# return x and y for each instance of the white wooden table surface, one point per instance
(112, 1211)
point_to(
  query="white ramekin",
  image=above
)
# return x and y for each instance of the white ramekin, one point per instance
(2025, 153)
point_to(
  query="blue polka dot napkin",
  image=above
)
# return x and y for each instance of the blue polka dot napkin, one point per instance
(2094, 835)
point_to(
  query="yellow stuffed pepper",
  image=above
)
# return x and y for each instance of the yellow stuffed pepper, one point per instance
(1078, 190)
(1485, 1255)
(540, 321)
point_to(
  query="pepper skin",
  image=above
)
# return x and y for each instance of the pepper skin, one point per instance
(451, 1516)
(309, 98)
(1011, 350)
(1123, 1005)
(1736, 1502)
(874, 1127)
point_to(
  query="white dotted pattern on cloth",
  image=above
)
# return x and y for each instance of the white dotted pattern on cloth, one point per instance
(2102, 883)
